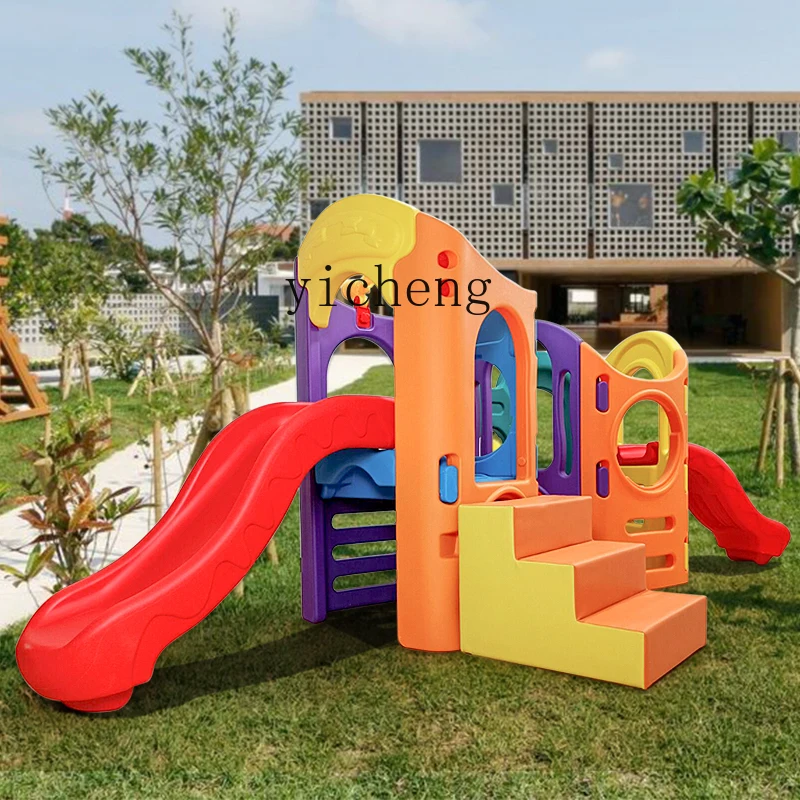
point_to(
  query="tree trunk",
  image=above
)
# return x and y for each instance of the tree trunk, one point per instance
(794, 389)
(86, 375)
(65, 372)
(220, 410)
(241, 404)
(214, 416)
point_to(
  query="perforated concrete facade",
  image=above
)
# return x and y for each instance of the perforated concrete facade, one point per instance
(335, 164)
(650, 138)
(559, 209)
(543, 177)
(491, 152)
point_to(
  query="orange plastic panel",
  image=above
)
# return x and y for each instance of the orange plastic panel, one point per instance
(434, 360)
(667, 498)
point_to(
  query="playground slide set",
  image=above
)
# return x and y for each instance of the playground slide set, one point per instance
(556, 567)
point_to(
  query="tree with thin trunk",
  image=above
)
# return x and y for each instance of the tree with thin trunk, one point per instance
(756, 214)
(64, 283)
(220, 159)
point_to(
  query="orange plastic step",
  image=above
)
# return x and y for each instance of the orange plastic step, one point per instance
(674, 627)
(546, 523)
(604, 572)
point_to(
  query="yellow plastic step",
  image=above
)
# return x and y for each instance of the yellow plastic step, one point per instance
(580, 608)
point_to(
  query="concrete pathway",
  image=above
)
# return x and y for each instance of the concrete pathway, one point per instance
(129, 467)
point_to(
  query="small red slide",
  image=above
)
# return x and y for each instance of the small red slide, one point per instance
(720, 503)
(91, 643)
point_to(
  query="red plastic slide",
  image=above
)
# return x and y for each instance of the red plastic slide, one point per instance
(90, 644)
(718, 501)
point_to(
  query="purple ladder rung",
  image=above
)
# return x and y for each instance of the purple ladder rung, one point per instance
(359, 565)
(370, 533)
(361, 596)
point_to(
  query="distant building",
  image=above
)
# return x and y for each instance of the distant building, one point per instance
(274, 280)
(568, 191)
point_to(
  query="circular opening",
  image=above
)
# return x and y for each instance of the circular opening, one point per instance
(447, 259)
(644, 459)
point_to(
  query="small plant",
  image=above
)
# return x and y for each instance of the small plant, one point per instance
(281, 333)
(118, 340)
(242, 339)
(72, 520)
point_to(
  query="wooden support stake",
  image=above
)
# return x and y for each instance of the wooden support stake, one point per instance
(158, 469)
(781, 423)
(794, 371)
(43, 468)
(769, 416)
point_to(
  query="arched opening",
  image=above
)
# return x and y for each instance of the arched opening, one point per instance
(358, 486)
(643, 444)
(360, 366)
(495, 401)
(545, 440)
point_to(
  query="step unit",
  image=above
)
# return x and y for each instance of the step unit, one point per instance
(536, 589)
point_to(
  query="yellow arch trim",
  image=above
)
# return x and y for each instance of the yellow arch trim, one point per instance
(351, 237)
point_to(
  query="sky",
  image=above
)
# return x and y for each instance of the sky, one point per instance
(53, 51)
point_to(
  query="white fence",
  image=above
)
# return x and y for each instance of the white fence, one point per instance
(150, 311)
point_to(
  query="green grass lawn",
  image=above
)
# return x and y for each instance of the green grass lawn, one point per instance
(254, 702)
(131, 421)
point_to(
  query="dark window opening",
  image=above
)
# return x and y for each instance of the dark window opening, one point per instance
(636, 300)
(316, 207)
(630, 205)
(789, 140)
(440, 161)
(341, 128)
(616, 161)
(503, 194)
(550, 146)
(694, 141)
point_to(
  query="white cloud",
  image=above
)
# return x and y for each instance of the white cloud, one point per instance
(608, 59)
(259, 15)
(455, 24)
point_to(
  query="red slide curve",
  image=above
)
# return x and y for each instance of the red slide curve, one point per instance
(91, 643)
(720, 503)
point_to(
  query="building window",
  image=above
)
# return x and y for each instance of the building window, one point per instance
(440, 161)
(316, 207)
(789, 140)
(731, 174)
(636, 300)
(550, 146)
(694, 142)
(616, 161)
(503, 194)
(341, 128)
(630, 205)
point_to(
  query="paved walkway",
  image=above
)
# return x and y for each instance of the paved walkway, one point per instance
(128, 467)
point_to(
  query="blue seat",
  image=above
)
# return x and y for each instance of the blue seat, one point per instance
(357, 474)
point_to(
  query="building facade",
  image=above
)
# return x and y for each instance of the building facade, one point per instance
(572, 192)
